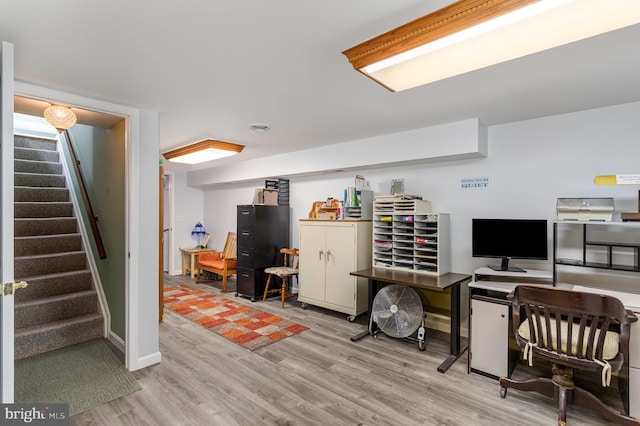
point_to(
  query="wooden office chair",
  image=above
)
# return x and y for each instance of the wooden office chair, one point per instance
(221, 263)
(592, 343)
(289, 270)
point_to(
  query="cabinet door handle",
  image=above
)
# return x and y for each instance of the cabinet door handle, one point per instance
(328, 254)
(320, 253)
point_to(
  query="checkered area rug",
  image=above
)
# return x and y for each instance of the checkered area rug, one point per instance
(242, 324)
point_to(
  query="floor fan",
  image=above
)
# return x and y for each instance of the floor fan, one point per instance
(397, 311)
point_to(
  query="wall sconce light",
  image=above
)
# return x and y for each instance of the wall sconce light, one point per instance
(206, 150)
(472, 34)
(60, 117)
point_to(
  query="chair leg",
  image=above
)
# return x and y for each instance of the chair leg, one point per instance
(284, 289)
(564, 396)
(266, 288)
(224, 282)
(582, 398)
(623, 386)
(563, 390)
(542, 386)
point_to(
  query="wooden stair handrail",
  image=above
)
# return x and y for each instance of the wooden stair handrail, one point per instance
(93, 219)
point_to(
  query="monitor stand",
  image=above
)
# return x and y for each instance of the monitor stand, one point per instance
(504, 266)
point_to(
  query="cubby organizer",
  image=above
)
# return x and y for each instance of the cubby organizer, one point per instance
(407, 236)
(618, 241)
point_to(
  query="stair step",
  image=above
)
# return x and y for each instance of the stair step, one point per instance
(60, 306)
(43, 209)
(34, 143)
(39, 180)
(38, 339)
(45, 226)
(29, 194)
(36, 155)
(54, 284)
(43, 167)
(45, 244)
(44, 264)
(55, 308)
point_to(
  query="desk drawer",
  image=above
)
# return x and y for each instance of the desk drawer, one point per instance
(250, 282)
(245, 280)
(246, 236)
(245, 258)
(246, 214)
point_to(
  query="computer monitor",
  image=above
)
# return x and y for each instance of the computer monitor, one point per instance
(509, 239)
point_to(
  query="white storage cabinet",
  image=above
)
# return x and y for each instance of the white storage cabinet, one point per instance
(329, 251)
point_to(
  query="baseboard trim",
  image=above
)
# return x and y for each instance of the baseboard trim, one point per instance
(146, 361)
(117, 342)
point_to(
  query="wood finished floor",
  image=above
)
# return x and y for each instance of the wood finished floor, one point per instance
(318, 377)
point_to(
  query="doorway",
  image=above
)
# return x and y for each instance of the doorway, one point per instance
(167, 228)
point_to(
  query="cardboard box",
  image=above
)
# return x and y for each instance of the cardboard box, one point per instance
(265, 196)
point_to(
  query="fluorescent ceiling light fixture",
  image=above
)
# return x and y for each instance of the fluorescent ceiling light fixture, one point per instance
(469, 35)
(60, 117)
(200, 152)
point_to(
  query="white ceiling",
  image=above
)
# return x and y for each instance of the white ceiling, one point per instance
(213, 67)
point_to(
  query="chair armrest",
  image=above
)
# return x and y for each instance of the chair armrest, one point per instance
(630, 316)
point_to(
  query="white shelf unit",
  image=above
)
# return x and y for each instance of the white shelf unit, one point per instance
(407, 236)
(600, 245)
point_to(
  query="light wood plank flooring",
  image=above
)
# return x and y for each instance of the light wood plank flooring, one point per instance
(318, 377)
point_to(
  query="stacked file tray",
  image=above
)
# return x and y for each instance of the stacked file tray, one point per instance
(282, 185)
(283, 192)
(406, 236)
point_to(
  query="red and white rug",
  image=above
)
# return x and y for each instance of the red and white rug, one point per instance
(242, 324)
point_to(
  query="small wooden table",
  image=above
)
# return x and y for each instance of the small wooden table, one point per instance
(450, 283)
(189, 259)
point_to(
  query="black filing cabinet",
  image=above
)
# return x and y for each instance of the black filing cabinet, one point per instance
(262, 232)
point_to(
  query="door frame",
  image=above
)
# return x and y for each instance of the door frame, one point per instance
(7, 354)
(169, 212)
(141, 345)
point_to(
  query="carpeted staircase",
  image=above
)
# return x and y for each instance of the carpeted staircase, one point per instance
(59, 307)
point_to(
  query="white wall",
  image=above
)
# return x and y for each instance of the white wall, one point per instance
(459, 140)
(530, 164)
(143, 334)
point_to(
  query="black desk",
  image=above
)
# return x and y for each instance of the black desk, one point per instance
(450, 282)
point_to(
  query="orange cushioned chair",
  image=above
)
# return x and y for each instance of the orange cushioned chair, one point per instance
(220, 263)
